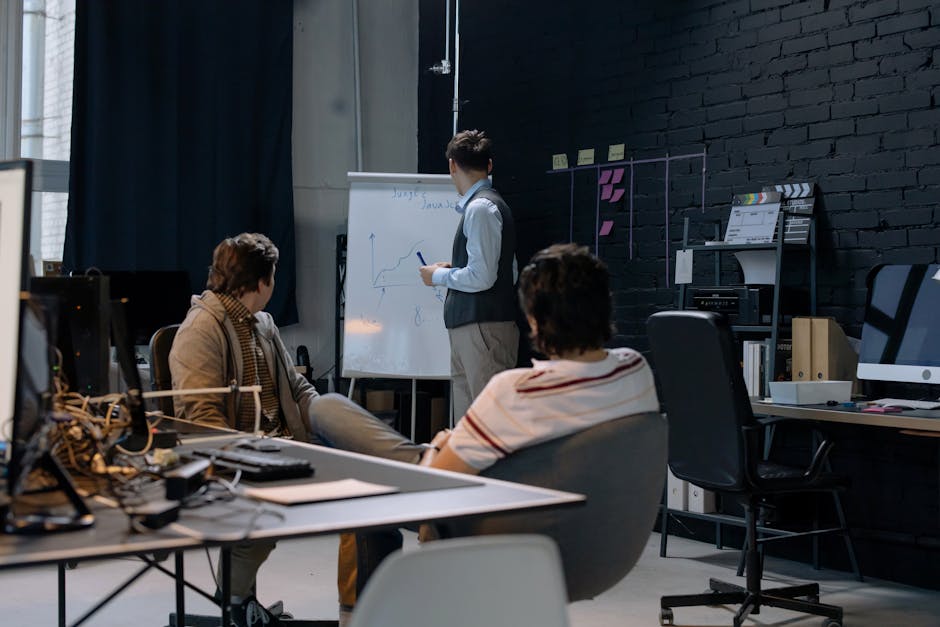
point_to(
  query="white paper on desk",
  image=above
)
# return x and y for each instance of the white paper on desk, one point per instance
(323, 491)
(760, 266)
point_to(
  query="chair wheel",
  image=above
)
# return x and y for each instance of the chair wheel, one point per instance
(665, 616)
(831, 622)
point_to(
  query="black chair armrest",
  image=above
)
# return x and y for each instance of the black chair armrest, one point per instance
(819, 458)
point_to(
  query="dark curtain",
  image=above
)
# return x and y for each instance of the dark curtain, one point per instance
(181, 135)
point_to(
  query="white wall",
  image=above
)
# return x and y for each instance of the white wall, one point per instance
(324, 141)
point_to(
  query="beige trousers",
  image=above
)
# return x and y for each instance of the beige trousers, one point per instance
(478, 351)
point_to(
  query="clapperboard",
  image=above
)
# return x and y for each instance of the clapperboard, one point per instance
(797, 201)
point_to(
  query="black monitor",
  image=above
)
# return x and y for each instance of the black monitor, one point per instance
(42, 497)
(139, 438)
(33, 394)
(80, 329)
(152, 299)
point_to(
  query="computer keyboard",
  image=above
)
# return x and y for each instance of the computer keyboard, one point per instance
(257, 466)
(906, 404)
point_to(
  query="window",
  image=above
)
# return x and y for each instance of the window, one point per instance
(36, 108)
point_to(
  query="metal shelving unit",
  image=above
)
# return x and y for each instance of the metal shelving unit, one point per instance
(780, 247)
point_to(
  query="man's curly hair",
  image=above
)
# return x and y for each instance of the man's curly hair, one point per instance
(566, 290)
(239, 262)
(470, 150)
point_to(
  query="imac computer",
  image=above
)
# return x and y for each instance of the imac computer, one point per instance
(901, 334)
(15, 187)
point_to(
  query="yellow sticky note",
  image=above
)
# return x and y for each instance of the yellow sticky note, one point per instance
(615, 152)
(586, 156)
(559, 162)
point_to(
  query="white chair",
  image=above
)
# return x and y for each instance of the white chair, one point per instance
(467, 582)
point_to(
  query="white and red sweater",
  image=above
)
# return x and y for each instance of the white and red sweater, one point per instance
(526, 406)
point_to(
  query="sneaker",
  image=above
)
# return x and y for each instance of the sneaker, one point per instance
(250, 613)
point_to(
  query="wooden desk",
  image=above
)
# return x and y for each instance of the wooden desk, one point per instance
(927, 421)
(914, 422)
(222, 524)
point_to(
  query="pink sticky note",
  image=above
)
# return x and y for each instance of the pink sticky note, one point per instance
(605, 177)
(618, 194)
(618, 176)
(605, 191)
(606, 227)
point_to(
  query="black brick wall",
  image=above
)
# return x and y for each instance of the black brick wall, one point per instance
(840, 92)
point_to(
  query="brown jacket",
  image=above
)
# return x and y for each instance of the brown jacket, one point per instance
(206, 354)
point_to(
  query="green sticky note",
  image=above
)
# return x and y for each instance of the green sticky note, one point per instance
(586, 156)
(560, 161)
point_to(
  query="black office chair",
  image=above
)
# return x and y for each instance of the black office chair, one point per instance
(160, 379)
(715, 443)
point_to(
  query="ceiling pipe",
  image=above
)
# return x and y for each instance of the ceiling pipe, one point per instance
(456, 104)
(357, 82)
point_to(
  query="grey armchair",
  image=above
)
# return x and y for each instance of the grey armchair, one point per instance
(620, 466)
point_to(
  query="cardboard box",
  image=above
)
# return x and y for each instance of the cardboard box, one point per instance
(802, 349)
(833, 357)
(676, 492)
(810, 392)
(701, 500)
(821, 352)
(439, 414)
(380, 400)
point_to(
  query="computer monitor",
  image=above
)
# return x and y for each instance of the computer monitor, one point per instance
(152, 299)
(81, 330)
(139, 438)
(42, 497)
(33, 394)
(901, 334)
(15, 187)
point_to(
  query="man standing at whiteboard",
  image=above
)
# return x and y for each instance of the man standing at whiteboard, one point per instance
(480, 308)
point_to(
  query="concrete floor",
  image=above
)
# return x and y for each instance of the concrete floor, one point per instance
(302, 573)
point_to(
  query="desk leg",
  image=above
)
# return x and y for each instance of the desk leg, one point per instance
(180, 589)
(61, 566)
(225, 560)
(664, 522)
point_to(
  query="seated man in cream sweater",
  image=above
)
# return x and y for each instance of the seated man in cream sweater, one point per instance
(565, 294)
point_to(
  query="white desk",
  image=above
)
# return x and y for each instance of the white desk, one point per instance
(222, 524)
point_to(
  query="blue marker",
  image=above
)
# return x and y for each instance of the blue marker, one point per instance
(423, 262)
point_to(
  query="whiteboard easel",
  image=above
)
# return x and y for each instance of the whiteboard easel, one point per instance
(394, 324)
(414, 404)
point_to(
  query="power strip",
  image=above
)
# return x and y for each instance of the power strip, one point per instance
(186, 479)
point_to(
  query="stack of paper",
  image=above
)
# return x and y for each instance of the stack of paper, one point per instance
(321, 491)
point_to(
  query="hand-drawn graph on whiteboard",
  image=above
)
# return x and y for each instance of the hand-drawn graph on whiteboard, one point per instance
(394, 324)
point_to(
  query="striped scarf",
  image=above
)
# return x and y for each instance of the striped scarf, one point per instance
(255, 372)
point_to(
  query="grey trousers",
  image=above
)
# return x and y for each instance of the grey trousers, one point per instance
(336, 422)
(478, 351)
